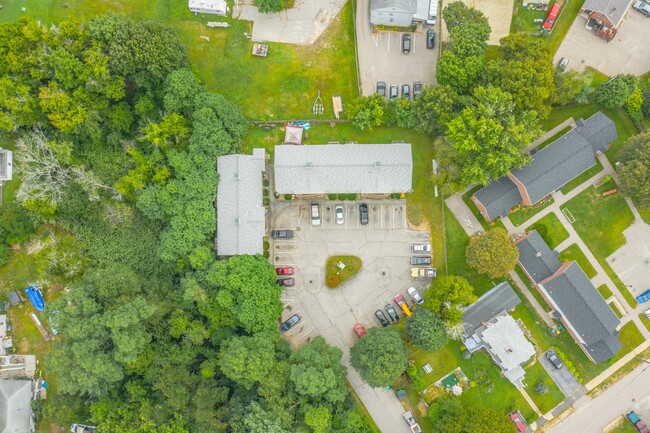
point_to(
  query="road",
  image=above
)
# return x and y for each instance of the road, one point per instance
(630, 393)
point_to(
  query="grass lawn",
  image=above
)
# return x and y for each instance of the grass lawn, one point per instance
(334, 276)
(615, 309)
(535, 374)
(573, 184)
(645, 320)
(604, 291)
(623, 426)
(551, 230)
(524, 214)
(631, 337)
(542, 302)
(645, 215)
(280, 86)
(573, 252)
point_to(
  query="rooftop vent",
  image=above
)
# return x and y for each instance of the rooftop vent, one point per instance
(538, 254)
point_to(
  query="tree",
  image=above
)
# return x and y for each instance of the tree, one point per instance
(266, 6)
(634, 106)
(447, 414)
(368, 111)
(447, 295)
(615, 92)
(247, 360)
(493, 253)
(489, 135)
(434, 108)
(401, 113)
(379, 357)
(567, 87)
(634, 170)
(460, 74)
(457, 13)
(318, 418)
(541, 388)
(257, 420)
(427, 330)
(181, 88)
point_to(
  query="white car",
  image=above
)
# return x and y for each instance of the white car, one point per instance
(421, 248)
(340, 218)
(315, 215)
(647, 313)
(642, 7)
(415, 295)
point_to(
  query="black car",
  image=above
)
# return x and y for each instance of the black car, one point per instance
(363, 213)
(392, 313)
(406, 43)
(431, 39)
(420, 260)
(288, 324)
(406, 91)
(394, 91)
(552, 357)
(286, 282)
(417, 89)
(282, 234)
(381, 88)
(382, 318)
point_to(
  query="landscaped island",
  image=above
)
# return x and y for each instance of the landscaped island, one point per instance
(339, 269)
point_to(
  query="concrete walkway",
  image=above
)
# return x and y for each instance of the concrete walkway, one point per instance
(533, 301)
(463, 214)
(617, 365)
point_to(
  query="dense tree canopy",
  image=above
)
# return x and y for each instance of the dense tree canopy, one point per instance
(615, 92)
(634, 170)
(493, 253)
(447, 295)
(447, 414)
(379, 357)
(368, 111)
(427, 330)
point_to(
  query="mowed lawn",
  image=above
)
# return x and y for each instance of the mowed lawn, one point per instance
(550, 229)
(573, 252)
(536, 374)
(282, 85)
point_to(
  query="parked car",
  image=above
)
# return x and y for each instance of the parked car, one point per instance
(639, 425)
(394, 91)
(286, 282)
(315, 214)
(431, 39)
(361, 332)
(420, 260)
(413, 425)
(643, 297)
(382, 318)
(406, 43)
(642, 7)
(421, 248)
(381, 88)
(423, 272)
(399, 300)
(415, 295)
(417, 89)
(284, 271)
(340, 215)
(406, 91)
(647, 313)
(282, 234)
(552, 16)
(553, 358)
(562, 64)
(363, 213)
(290, 322)
(391, 313)
(518, 421)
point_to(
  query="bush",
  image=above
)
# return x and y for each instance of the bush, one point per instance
(333, 281)
(331, 196)
(266, 6)
(351, 197)
(266, 201)
(265, 193)
(267, 245)
(541, 388)
(265, 183)
(287, 196)
(415, 374)
(341, 196)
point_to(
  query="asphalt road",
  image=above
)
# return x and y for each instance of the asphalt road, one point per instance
(630, 393)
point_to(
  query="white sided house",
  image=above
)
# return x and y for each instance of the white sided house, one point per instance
(215, 7)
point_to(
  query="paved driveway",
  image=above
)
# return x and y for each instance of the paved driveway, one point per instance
(384, 248)
(566, 381)
(628, 53)
(631, 262)
(381, 59)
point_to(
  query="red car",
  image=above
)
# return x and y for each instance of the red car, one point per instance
(517, 420)
(358, 328)
(552, 16)
(284, 271)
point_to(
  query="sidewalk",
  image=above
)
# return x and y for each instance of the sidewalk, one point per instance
(617, 365)
(533, 301)
(463, 214)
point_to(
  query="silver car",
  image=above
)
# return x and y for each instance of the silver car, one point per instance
(415, 295)
(340, 218)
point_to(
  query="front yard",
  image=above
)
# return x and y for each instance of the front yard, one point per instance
(573, 252)
(524, 214)
(550, 229)
(536, 374)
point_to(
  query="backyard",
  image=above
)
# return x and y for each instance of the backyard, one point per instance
(550, 229)
(524, 214)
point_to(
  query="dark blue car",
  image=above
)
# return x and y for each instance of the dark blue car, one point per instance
(643, 297)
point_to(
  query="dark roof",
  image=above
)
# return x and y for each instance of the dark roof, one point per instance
(599, 130)
(585, 309)
(499, 197)
(613, 9)
(535, 256)
(555, 165)
(14, 297)
(501, 298)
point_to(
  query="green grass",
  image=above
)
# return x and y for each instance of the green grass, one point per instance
(523, 19)
(334, 276)
(550, 229)
(615, 309)
(573, 252)
(604, 291)
(645, 320)
(563, 24)
(576, 182)
(280, 86)
(623, 426)
(631, 337)
(645, 214)
(535, 374)
(524, 214)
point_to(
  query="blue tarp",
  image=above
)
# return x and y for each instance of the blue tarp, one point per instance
(35, 297)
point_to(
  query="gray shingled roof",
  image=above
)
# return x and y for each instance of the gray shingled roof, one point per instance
(536, 258)
(613, 9)
(240, 211)
(343, 168)
(402, 5)
(599, 130)
(499, 197)
(15, 406)
(585, 309)
(499, 299)
(555, 165)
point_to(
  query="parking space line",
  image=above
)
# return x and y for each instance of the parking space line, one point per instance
(389, 33)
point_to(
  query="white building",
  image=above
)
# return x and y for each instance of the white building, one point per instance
(6, 163)
(216, 7)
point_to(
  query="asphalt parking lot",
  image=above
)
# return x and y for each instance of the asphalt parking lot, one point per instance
(381, 59)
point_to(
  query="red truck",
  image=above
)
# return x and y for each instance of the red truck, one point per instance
(552, 16)
(637, 423)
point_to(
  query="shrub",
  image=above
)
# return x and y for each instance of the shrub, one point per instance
(265, 193)
(331, 196)
(267, 245)
(333, 281)
(351, 197)
(287, 196)
(266, 201)
(415, 374)
(341, 196)
(541, 388)
(265, 182)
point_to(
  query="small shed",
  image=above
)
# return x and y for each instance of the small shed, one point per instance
(15, 298)
(216, 7)
(293, 134)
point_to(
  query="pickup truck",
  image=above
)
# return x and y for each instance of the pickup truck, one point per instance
(415, 427)
(637, 423)
(423, 272)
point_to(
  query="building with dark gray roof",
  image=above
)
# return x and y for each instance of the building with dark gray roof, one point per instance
(343, 168)
(16, 406)
(570, 293)
(501, 298)
(549, 169)
(241, 217)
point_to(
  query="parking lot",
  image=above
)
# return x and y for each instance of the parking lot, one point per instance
(381, 58)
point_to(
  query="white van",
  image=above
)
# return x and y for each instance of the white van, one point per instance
(433, 12)
(315, 215)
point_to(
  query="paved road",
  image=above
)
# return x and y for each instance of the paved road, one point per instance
(630, 393)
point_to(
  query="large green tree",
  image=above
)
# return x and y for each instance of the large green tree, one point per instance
(447, 414)
(493, 253)
(458, 13)
(427, 330)
(615, 92)
(634, 170)
(368, 111)
(447, 295)
(247, 360)
(434, 108)
(379, 357)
